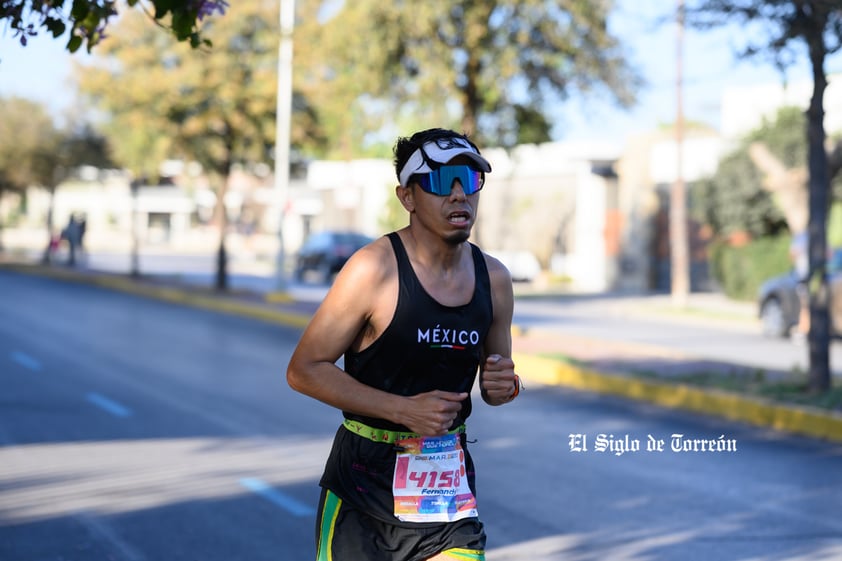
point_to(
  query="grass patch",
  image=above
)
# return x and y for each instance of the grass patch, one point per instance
(792, 390)
(703, 313)
(753, 383)
(797, 392)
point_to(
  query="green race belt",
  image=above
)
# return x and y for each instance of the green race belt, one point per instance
(386, 436)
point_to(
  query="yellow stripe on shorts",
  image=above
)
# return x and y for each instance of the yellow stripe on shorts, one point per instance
(464, 554)
(329, 514)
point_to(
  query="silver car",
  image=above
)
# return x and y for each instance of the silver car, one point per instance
(779, 304)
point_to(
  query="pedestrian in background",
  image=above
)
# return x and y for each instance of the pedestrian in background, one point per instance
(415, 313)
(72, 234)
(83, 226)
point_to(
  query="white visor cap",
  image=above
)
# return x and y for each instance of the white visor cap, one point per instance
(440, 151)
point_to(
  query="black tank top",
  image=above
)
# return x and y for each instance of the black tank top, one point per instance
(427, 346)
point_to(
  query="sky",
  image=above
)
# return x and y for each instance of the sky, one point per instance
(41, 71)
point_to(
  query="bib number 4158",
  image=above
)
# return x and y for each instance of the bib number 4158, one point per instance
(430, 483)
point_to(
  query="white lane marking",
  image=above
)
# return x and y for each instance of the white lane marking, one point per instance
(26, 361)
(294, 507)
(104, 532)
(109, 405)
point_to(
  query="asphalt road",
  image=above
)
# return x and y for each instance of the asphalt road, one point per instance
(716, 330)
(134, 430)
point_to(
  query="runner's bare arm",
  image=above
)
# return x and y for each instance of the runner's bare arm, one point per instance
(366, 285)
(497, 376)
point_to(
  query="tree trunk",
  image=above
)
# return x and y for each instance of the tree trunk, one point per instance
(135, 256)
(819, 188)
(221, 265)
(221, 283)
(47, 258)
(471, 101)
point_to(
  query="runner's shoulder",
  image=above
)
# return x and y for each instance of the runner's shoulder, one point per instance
(372, 264)
(497, 271)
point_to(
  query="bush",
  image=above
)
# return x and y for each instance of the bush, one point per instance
(740, 270)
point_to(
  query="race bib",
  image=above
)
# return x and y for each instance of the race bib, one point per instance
(430, 483)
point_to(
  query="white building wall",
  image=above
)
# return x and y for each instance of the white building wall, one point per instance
(547, 199)
(589, 271)
(354, 192)
(700, 158)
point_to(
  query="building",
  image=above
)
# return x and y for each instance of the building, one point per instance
(595, 215)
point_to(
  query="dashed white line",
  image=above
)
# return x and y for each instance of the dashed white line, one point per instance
(26, 361)
(293, 506)
(105, 533)
(109, 405)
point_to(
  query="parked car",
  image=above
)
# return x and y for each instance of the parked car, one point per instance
(779, 305)
(323, 254)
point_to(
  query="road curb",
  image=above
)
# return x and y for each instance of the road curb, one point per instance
(794, 419)
(170, 294)
(806, 421)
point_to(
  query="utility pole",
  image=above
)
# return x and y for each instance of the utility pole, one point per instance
(679, 250)
(283, 120)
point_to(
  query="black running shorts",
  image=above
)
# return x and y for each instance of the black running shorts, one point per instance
(345, 533)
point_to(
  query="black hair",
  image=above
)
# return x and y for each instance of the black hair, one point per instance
(406, 146)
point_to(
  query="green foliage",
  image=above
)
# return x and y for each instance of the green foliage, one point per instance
(27, 138)
(487, 68)
(733, 199)
(774, 28)
(33, 152)
(741, 270)
(164, 99)
(87, 20)
(785, 136)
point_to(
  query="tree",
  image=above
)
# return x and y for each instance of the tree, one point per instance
(166, 100)
(26, 134)
(487, 68)
(785, 29)
(33, 152)
(760, 188)
(86, 21)
(733, 201)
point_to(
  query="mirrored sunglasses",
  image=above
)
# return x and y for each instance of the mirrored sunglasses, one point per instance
(440, 181)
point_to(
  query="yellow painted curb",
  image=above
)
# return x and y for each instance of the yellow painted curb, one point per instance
(279, 298)
(175, 295)
(219, 304)
(790, 418)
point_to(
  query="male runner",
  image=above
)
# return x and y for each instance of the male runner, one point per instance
(414, 313)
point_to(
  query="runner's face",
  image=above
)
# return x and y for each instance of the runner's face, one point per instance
(452, 215)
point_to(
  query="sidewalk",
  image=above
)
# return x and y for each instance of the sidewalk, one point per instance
(583, 363)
